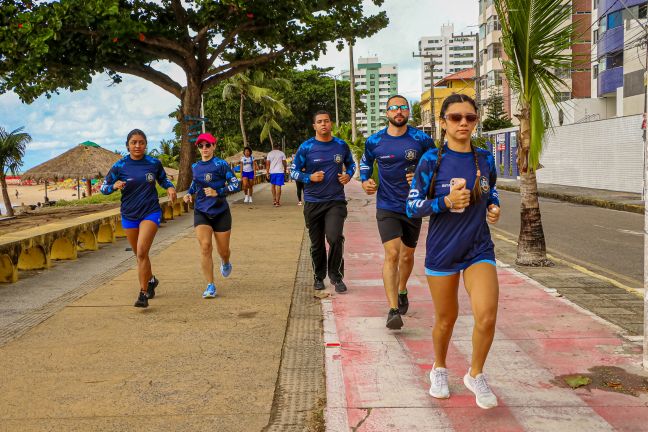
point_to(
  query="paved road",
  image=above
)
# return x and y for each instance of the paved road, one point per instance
(602, 240)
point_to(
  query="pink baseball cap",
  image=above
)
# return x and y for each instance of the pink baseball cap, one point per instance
(207, 137)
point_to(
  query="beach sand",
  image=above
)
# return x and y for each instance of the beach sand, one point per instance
(34, 194)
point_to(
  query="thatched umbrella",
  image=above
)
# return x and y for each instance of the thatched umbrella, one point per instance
(86, 160)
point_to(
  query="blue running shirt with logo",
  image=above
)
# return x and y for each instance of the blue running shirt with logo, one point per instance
(333, 157)
(216, 174)
(393, 154)
(455, 241)
(139, 196)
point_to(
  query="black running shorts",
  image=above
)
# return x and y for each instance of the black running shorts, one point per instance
(393, 225)
(222, 222)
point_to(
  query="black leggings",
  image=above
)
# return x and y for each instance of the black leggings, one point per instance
(300, 188)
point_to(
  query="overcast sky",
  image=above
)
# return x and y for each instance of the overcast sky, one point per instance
(104, 114)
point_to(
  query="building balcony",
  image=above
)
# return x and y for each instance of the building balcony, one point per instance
(609, 80)
(610, 41)
(615, 5)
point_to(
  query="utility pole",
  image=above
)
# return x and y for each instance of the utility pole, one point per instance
(645, 194)
(353, 107)
(336, 101)
(430, 57)
(477, 78)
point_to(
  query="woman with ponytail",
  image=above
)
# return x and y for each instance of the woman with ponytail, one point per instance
(455, 185)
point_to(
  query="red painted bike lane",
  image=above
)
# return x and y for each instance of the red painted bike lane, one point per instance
(377, 379)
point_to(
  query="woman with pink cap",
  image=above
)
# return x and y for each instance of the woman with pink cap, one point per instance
(212, 181)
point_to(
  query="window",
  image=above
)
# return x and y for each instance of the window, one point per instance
(562, 96)
(595, 36)
(615, 19)
(614, 60)
(493, 51)
(643, 11)
(595, 71)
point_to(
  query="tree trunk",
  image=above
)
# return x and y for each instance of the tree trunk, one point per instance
(245, 140)
(189, 111)
(89, 186)
(532, 250)
(270, 136)
(5, 196)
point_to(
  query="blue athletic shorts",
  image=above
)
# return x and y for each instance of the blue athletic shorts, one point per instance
(248, 174)
(429, 272)
(153, 217)
(277, 179)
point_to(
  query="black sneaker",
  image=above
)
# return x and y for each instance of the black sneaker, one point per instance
(403, 303)
(394, 320)
(318, 284)
(142, 300)
(340, 287)
(150, 288)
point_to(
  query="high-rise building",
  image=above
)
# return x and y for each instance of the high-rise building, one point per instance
(450, 54)
(380, 82)
(620, 57)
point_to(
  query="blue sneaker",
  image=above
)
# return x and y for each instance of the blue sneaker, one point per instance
(210, 292)
(226, 269)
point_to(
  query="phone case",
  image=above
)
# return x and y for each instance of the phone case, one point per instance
(452, 183)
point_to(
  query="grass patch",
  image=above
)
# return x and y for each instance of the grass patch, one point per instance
(99, 198)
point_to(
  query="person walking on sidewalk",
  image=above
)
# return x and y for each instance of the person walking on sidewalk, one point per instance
(323, 158)
(459, 240)
(212, 181)
(397, 150)
(276, 168)
(247, 174)
(135, 175)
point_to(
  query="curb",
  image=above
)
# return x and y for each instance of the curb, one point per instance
(578, 199)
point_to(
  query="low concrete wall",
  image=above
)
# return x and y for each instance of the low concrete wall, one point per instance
(35, 248)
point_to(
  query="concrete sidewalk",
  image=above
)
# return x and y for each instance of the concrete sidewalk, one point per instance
(183, 364)
(377, 379)
(624, 201)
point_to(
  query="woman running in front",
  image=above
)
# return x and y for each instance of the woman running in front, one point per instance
(459, 240)
(135, 175)
(247, 173)
(212, 181)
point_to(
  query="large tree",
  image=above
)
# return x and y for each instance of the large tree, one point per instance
(12, 152)
(496, 116)
(47, 46)
(536, 35)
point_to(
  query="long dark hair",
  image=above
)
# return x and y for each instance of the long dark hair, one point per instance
(247, 148)
(476, 192)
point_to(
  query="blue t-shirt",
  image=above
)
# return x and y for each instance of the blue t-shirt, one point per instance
(139, 196)
(216, 174)
(330, 157)
(393, 155)
(455, 240)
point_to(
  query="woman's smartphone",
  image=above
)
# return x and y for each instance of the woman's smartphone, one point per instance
(453, 183)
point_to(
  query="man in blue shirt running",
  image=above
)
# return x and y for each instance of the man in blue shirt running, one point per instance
(322, 158)
(396, 150)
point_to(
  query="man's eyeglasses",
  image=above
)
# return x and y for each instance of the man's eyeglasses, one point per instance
(456, 118)
(397, 107)
(206, 145)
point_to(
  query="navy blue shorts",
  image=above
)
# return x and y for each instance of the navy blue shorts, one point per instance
(248, 174)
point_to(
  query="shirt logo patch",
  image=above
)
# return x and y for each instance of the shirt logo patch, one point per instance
(483, 184)
(150, 178)
(337, 158)
(208, 177)
(410, 154)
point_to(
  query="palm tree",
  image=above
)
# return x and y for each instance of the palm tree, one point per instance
(12, 152)
(273, 110)
(245, 86)
(535, 38)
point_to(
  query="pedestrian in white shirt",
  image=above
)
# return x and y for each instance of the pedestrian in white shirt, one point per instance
(276, 167)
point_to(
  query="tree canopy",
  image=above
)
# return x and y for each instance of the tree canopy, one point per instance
(48, 46)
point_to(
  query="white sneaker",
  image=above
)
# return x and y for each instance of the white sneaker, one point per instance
(246, 198)
(439, 383)
(250, 199)
(484, 396)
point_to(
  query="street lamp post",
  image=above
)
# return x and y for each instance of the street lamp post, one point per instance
(335, 76)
